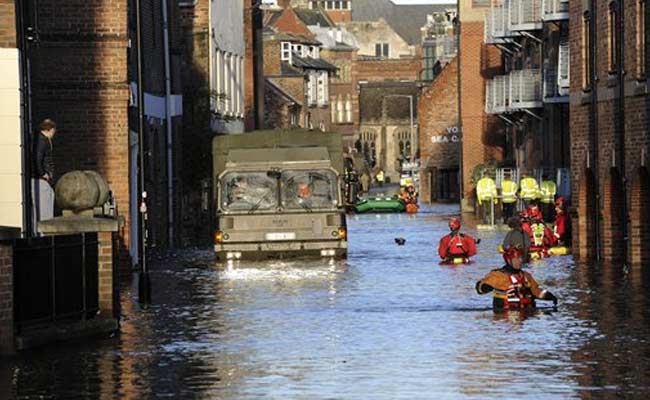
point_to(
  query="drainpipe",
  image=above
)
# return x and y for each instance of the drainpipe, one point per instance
(25, 87)
(144, 282)
(620, 138)
(168, 123)
(593, 126)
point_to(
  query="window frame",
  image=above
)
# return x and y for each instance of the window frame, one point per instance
(613, 33)
(587, 37)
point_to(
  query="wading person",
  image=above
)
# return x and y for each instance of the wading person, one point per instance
(517, 237)
(511, 287)
(455, 244)
(43, 173)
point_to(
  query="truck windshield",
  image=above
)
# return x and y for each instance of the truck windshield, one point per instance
(248, 191)
(309, 189)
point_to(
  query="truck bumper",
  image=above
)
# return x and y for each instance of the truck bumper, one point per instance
(271, 250)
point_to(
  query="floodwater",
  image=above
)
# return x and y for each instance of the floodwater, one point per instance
(387, 323)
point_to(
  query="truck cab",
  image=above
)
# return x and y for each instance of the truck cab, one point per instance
(280, 201)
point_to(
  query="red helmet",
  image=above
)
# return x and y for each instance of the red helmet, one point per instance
(560, 202)
(534, 212)
(454, 223)
(512, 252)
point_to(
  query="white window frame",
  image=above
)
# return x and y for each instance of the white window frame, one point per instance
(312, 88)
(348, 108)
(323, 92)
(339, 109)
(233, 84)
(285, 51)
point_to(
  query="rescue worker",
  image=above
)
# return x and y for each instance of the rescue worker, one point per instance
(528, 189)
(508, 197)
(456, 244)
(513, 289)
(517, 237)
(561, 229)
(486, 192)
(541, 238)
(547, 192)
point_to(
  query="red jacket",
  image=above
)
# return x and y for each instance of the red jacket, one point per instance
(457, 245)
(561, 222)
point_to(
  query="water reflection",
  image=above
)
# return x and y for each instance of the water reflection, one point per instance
(388, 323)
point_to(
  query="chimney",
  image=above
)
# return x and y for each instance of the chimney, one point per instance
(330, 32)
(339, 35)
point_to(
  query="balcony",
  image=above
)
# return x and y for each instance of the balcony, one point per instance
(514, 92)
(525, 15)
(525, 89)
(497, 95)
(555, 10)
(497, 23)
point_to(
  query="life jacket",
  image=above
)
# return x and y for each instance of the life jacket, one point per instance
(508, 191)
(529, 189)
(456, 246)
(486, 190)
(537, 237)
(547, 191)
(518, 294)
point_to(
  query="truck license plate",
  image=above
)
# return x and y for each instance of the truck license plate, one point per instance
(281, 236)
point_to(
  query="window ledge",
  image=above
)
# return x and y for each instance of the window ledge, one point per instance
(187, 3)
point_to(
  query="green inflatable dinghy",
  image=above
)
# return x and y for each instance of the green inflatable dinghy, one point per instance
(380, 204)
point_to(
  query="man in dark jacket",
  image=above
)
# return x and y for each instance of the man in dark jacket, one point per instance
(43, 172)
(517, 237)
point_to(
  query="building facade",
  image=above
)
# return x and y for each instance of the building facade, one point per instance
(221, 64)
(440, 137)
(610, 125)
(482, 141)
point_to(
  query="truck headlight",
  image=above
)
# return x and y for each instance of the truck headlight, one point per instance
(343, 233)
(218, 237)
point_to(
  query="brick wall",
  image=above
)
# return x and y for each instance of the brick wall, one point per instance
(437, 112)
(8, 24)
(79, 78)
(376, 70)
(605, 119)
(478, 63)
(6, 299)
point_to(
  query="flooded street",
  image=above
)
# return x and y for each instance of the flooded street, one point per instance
(387, 323)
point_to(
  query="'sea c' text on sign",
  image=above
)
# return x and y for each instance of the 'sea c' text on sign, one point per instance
(452, 136)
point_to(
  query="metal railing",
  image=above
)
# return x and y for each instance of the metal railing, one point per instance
(497, 94)
(497, 23)
(555, 10)
(55, 278)
(526, 88)
(525, 15)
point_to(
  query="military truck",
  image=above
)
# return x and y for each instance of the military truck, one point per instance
(278, 194)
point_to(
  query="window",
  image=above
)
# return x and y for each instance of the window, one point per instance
(322, 87)
(381, 50)
(332, 109)
(641, 39)
(228, 83)
(218, 80)
(286, 51)
(613, 37)
(587, 74)
(348, 108)
(312, 88)
(339, 109)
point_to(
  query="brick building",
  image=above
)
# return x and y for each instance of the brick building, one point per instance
(223, 94)
(388, 125)
(439, 137)
(531, 96)
(298, 76)
(610, 131)
(338, 47)
(482, 141)
(77, 76)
